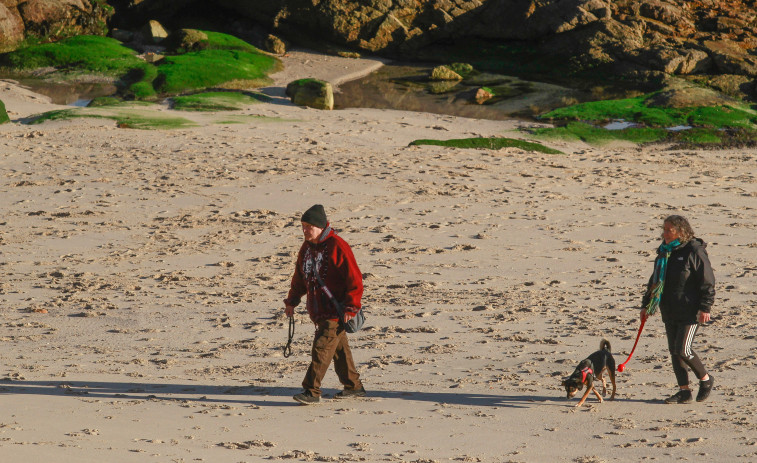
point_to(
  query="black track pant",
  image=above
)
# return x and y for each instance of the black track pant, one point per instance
(680, 338)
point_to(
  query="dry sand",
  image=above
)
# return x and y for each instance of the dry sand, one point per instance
(143, 273)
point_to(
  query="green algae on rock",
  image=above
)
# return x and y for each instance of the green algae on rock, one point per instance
(216, 101)
(227, 60)
(3, 114)
(488, 143)
(123, 117)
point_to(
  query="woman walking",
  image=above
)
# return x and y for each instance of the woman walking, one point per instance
(682, 286)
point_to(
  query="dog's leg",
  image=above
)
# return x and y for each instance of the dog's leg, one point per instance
(586, 394)
(604, 383)
(597, 394)
(612, 379)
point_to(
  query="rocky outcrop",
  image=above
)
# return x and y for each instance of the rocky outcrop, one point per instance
(626, 37)
(11, 27)
(629, 39)
(51, 19)
(731, 58)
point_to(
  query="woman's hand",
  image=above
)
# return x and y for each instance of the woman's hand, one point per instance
(643, 314)
(703, 317)
(289, 310)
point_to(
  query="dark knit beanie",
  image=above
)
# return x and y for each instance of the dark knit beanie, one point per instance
(315, 216)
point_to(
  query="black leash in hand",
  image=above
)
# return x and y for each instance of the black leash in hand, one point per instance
(288, 347)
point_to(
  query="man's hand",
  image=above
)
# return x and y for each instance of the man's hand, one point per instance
(643, 314)
(289, 310)
(349, 314)
(703, 317)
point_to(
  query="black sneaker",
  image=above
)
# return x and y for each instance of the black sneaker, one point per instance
(350, 393)
(306, 398)
(704, 389)
(683, 396)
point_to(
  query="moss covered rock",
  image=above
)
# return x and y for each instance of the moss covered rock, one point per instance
(3, 114)
(184, 40)
(274, 44)
(682, 94)
(312, 93)
(483, 95)
(444, 73)
(463, 69)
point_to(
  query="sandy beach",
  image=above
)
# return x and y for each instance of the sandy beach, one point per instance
(143, 273)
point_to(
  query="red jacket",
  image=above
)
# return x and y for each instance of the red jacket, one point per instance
(332, 258)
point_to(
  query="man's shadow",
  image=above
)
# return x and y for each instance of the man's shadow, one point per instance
(262, 396)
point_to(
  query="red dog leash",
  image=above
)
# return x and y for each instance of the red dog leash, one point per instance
(622, 366)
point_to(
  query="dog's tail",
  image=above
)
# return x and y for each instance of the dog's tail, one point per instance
(605, 345)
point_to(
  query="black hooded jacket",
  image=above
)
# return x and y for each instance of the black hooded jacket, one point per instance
(689, 283)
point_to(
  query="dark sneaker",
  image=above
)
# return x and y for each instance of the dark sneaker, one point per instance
(681, 397)
(350, 393)
(306, 398)
(704, 389)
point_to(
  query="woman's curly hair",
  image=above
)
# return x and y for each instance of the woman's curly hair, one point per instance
(682, 226)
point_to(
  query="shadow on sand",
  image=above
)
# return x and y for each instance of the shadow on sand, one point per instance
(263, 396)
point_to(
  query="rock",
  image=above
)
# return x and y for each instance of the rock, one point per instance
(730, 58)
(682, 94)
(51, 19)
(676, 60)
(482, 96)
(348, 54)
(730, 25)
(741, 87)
(603, 43)
(312, 93)
(11, 28)
(444, 73)
(151, 57)
(3, 114)
(153, 32)
(666, 13)
(186, 40)
(273, 44)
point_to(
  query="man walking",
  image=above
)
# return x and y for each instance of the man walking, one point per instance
(326, 272)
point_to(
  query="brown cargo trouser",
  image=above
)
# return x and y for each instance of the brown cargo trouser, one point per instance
(330, 343)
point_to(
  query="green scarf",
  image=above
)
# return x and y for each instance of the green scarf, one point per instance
(658, 277)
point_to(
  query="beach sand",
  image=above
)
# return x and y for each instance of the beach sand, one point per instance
(143, 273)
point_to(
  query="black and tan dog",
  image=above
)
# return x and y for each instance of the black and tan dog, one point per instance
(590, 369)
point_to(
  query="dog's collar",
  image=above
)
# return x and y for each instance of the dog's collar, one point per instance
(585, 372)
